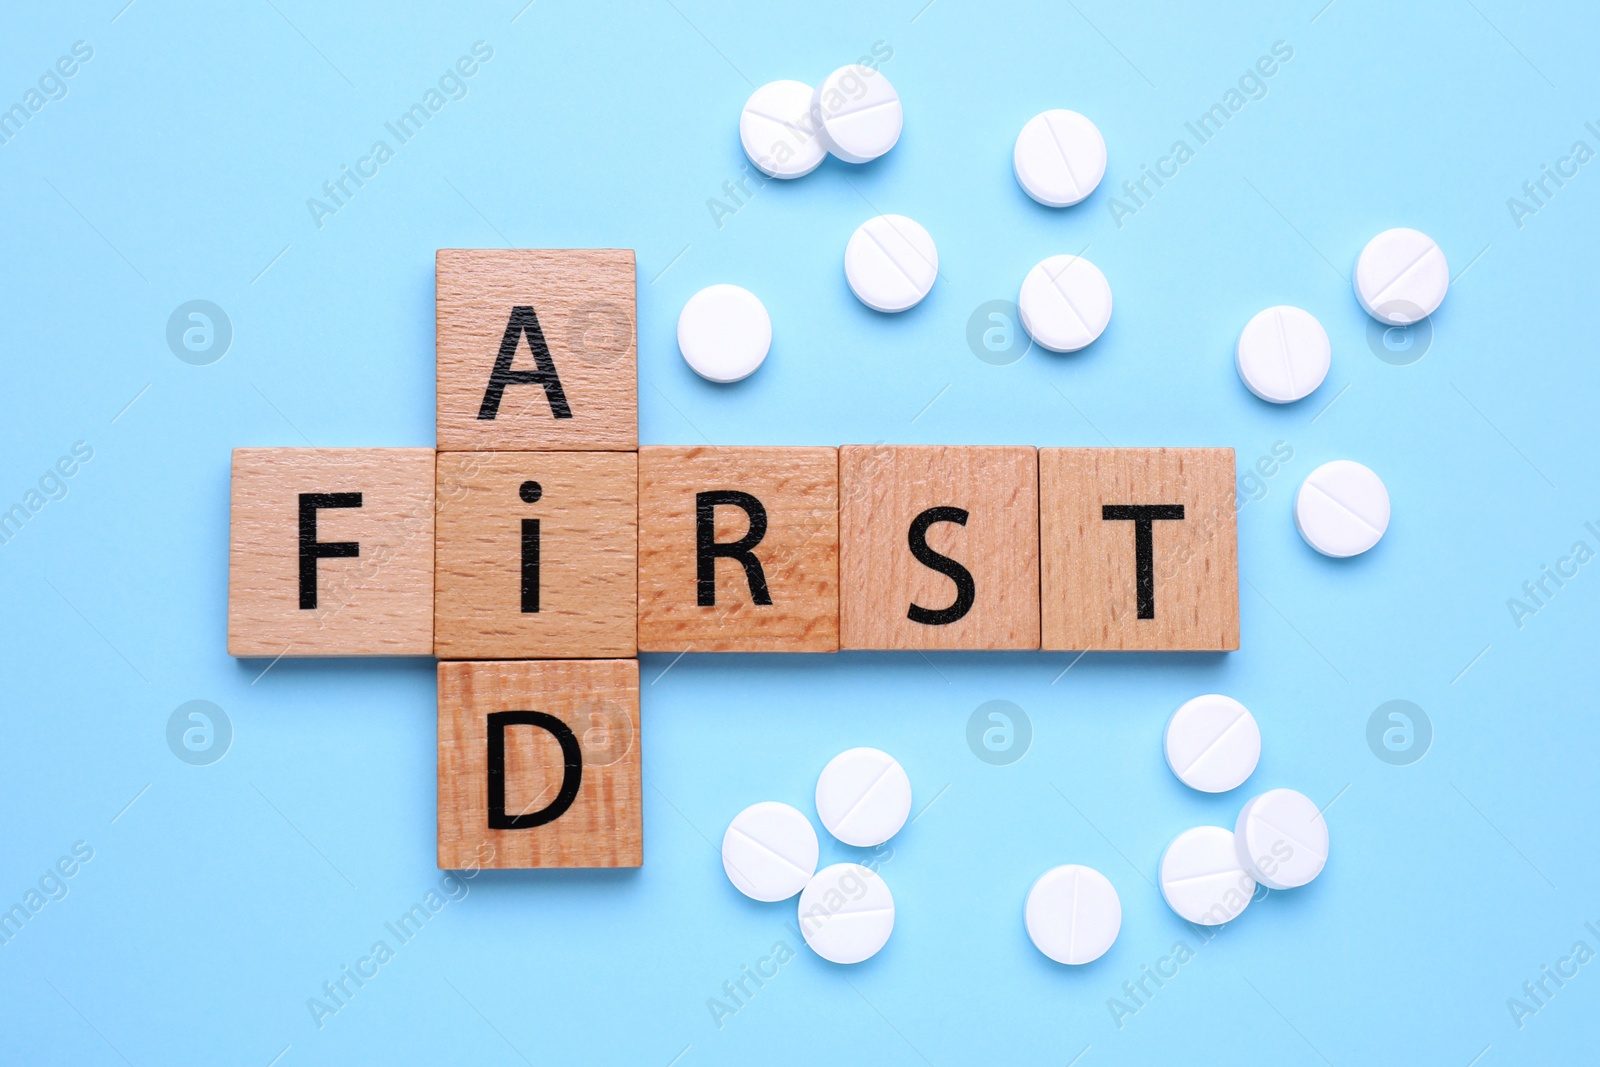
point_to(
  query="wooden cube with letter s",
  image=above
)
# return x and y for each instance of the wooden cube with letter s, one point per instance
(938, 547)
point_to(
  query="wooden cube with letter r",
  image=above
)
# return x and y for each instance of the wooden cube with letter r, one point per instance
(738, 549)
(539, 764)
(536, 349)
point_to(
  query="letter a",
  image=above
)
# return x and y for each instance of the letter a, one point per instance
(524, 320)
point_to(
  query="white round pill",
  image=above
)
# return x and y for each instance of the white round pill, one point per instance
(1065, 303)
(1212, 743)
(1059, 158)
(863, 797)
(724, 333)
(1282, 839)
(777, 130)
(1202, 878)
(1401, 277)
(857, 112)
(1283, 354)
(1073, 914)
(890, 263)
(1342, 508)
(769, 851)
(846, 913)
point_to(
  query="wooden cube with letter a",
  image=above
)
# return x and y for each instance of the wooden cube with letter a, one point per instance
(536, 349)
(331, 552)
(938, 547)
(539, 764)
(535, 555)
(1140, 549)
(738, 549)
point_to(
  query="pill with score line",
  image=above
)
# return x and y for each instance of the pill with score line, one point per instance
(1212, 743)
(1202, 878)
(1065, 303)
(1342, 509)
(778, 132)
(1401, 277)
(890, 263)
(846, 913)
(1282, 839)
(769, 851)
(1073, 914)
(1059, 158)
(1283, 354)
(863, 797)
(858, 113)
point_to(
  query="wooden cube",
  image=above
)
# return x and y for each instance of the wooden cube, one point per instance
(1140, 549)
(331, 552)
(738, 549)
(938, 547)
(536, 349)
(539, 764)
(535, 555)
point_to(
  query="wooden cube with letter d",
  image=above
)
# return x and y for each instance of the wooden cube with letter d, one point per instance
(539, 764)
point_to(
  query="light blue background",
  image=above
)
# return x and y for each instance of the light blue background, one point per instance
(178, 167)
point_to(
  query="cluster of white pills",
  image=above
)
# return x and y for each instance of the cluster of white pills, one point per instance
(1209, 874)
(788, 128)
(770, 853)
(1283, 355)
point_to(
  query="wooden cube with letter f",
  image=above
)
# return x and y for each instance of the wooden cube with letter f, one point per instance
(539, 764)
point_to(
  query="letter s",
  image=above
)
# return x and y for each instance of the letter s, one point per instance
(966, 589)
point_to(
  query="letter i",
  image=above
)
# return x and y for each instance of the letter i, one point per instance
(530, 493)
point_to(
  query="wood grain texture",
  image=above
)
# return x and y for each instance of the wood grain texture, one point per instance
(882, 490)
(798, 490)
(378, 602)
(1089, 578)
(598, 704)
(583, 300)
(587, 510)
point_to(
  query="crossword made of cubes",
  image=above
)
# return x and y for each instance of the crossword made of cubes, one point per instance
(538, 549)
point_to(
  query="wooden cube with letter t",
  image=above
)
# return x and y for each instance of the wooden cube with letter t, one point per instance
(738, 549)
(938, 547)
(536, 349)
(539, 764)
(331, 552)
(1139, 549)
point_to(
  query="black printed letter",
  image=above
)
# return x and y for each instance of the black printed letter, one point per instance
(1143, 517)
(571, 775)
(523, 320)
(708, 549)
(311, 549)
(966, 590)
